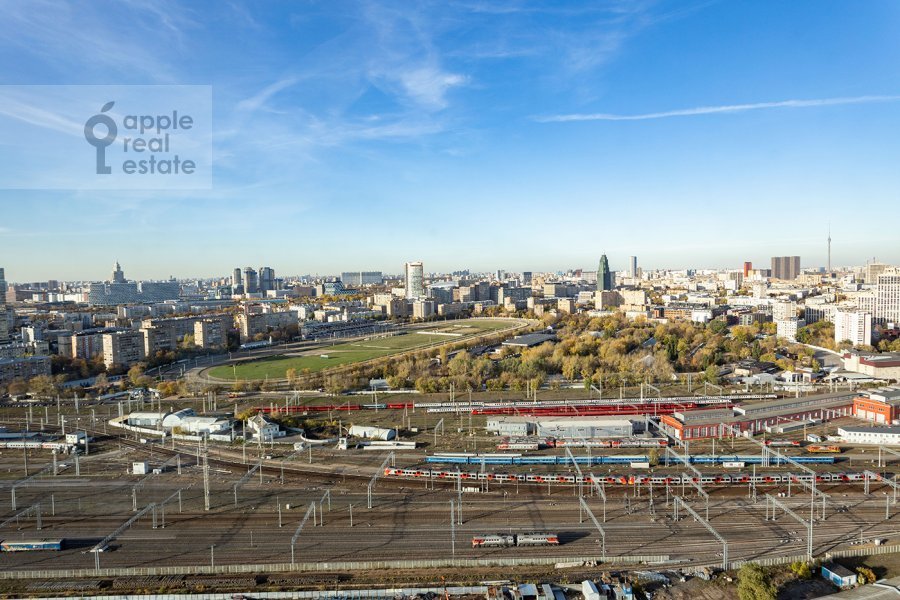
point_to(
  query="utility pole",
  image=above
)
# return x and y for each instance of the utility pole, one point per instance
(205, 482)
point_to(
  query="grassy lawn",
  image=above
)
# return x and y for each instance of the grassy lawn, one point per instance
(275, 367)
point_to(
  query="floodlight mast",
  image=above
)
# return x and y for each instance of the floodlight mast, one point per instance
(599, 527)
(595, 481)
(707, 525)
(801, 520)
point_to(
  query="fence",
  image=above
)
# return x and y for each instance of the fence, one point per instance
(324, 566)
(783, 560)
(307, 595)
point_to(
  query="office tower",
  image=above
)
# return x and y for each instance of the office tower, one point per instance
(266, 279)
(118, 276)
(748, 266)
(526, 277)
(887, 297)
(415, 275)
(632, 271)
(853, 325)
(785, 267)
(604, 275)
(251, 285)
(237, 282)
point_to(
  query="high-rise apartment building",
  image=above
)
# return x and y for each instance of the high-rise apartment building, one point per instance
(251, 283)
(604, 275)
(852, 325)
(887, 297)
(266, 279)
(4, 321)
(123, 348)
(785, 267)
(361, 278)
(873, 270)
(748, 266)
(784, 309)
(415, 280)
(237, 282)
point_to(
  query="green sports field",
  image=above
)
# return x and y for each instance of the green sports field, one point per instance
(344, 353)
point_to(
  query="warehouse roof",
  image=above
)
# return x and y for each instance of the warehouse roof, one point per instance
(890, 395)
(815, 401)
(530, 339)
(895, 430)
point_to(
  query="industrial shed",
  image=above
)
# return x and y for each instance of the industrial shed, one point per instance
(372, 433)
(145, 419)
(584, 428)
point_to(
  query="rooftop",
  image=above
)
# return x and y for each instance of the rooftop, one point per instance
(530, 339)
(893, 430)
(839, 570)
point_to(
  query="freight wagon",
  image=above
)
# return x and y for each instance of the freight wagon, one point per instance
(824, 449)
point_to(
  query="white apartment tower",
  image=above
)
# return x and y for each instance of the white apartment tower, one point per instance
(887, 297)
(415, 280)
(853, 325)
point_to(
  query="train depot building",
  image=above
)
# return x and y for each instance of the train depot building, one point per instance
(880, 405)
(756, 417)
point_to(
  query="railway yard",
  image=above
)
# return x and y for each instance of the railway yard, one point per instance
(276, 507)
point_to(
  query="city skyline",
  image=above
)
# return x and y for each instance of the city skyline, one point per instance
(400, 274)
(678, 125)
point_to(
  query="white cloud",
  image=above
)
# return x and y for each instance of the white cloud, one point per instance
(259, 99)
(429, 85)
(711, 110)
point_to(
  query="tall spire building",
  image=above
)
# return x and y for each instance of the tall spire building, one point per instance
(604, 276)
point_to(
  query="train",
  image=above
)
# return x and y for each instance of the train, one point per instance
(525, 407)
(587, 410)
(532, 443)
(505, 540)
(30, 545)
(518, 459)
(782, 443)
(611, 443)
(625, 479)
(36, 445)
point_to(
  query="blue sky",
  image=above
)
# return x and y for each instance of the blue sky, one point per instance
(479, 134)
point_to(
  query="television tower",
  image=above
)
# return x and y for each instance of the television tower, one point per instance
(829, 247)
